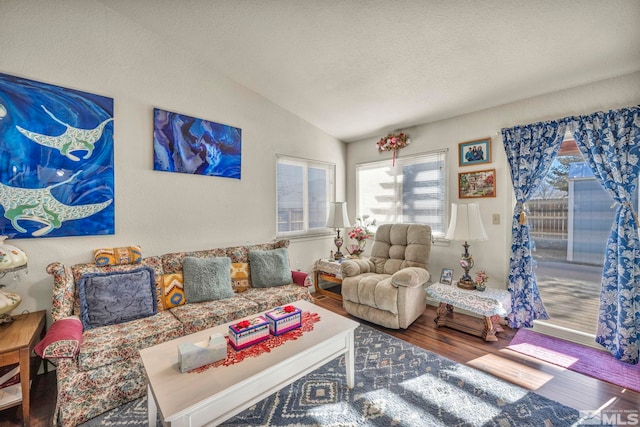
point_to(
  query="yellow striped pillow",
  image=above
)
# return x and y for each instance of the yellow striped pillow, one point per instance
(239, 276)
(118, 256)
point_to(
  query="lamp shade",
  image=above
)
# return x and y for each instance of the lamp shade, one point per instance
(338, 215)
(10, 256)
(466, 223)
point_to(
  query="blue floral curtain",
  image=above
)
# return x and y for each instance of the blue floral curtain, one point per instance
(530, 151)
(610, 142)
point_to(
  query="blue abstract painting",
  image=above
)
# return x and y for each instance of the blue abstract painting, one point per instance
(56, 161)
(188, 145)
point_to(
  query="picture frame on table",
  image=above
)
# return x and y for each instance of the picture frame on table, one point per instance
(446, 276)
(474, 152)
(477, 184)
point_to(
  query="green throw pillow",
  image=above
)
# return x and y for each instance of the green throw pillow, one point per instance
(269, 268)
(207, 279)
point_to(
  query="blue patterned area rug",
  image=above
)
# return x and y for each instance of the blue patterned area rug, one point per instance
(397, 383)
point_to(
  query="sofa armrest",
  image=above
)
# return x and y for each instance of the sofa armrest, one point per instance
(64, 291)
(410, 277)
(63, 339)
(353, 267)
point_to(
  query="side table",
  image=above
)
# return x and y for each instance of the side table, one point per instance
(328, 271)
(492, 304)
(17, 340)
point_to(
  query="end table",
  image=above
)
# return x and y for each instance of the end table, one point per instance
(17, 340)
(328, 270)
(492, 304)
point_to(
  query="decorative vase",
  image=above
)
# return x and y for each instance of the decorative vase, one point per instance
(355, 250)
(481, 287)
(8, 302)
(12, 260)
(361, 245)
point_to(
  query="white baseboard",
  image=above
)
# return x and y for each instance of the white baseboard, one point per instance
(566, 334)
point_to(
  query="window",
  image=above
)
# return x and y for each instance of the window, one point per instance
(304, 189)
(412, 191)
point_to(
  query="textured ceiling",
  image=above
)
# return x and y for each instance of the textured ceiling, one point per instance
(357, 68)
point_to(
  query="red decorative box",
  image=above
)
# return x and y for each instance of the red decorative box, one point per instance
(248, 332)
(284, 319)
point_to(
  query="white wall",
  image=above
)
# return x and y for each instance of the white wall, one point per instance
(492, 255)
(83, 45)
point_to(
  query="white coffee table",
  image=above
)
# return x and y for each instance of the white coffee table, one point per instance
(216, 394)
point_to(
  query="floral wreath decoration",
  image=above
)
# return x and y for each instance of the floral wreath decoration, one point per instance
(393, 142)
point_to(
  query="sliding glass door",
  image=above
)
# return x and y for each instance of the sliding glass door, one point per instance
(570, 217)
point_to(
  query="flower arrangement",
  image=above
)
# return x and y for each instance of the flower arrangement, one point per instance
(361, 230)
(393, 142)
(360, 233)
(481, 280)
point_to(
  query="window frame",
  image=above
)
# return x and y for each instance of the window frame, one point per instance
(306, 164)
(398, 184)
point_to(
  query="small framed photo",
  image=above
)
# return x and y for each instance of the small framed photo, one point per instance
(477, 184)
(446, 276)
(474, 152)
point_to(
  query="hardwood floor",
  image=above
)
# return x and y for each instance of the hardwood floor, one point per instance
(564, 386)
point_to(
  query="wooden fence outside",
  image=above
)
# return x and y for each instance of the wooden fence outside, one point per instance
(548, 219)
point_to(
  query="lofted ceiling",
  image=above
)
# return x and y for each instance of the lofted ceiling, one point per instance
(357, 69)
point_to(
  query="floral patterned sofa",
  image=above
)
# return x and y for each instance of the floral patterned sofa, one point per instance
(103, 370)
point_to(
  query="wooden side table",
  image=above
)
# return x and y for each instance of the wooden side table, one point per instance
(492, 304)
(328, 270)
(17, 340)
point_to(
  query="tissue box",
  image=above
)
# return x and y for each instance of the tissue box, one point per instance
(284, 319)
(248, 332)
(195, 355)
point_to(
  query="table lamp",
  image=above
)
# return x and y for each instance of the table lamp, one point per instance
(466, 225)
(12, 260)
(338, 219)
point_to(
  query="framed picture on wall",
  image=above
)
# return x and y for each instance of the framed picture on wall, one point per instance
(446, 276)
(474, 152)
(477, 184)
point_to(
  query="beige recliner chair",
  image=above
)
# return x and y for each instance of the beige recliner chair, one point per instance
(388, 287)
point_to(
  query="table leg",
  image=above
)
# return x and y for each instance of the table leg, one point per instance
(349, 360)
(442, 311)
(495, 319)
(25, 383)
(315, 281)
(489, 333)
(152, 408)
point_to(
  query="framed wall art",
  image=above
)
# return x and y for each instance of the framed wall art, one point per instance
(474, 152)
(185, 144)
(56, 160)
(477, 184)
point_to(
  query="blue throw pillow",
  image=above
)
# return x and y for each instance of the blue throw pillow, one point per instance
(269, 268)
(117, 297)
(206, 279)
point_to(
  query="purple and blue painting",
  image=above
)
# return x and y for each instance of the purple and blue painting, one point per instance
(188, 145)
(56, 161)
